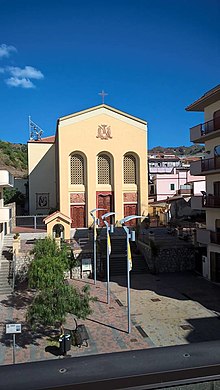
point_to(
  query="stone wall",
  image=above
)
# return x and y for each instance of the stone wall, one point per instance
(169, 259)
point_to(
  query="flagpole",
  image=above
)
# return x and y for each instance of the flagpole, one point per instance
(108, 249)
(29, 126)
(128, 281)
(94, 240)
(129, 259)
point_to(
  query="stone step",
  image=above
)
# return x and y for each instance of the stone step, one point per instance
(5, 291)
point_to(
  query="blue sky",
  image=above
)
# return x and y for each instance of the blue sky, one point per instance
(152, 57)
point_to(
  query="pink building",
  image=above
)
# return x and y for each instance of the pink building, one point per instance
(178, 181)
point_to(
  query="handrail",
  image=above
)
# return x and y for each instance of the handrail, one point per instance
(152, 368)
(209, 126)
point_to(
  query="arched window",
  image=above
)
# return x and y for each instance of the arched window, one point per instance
(130, 175)
(77, 174)
(104, 169)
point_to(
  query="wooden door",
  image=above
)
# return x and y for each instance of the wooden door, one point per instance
(77, 214)
(104, 201)
(130, 209)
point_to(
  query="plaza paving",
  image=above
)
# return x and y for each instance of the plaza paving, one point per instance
(167, 309)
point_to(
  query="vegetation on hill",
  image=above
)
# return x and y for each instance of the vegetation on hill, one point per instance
(179, 150)
(13, 157)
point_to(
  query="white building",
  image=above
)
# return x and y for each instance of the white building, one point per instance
(6, 180)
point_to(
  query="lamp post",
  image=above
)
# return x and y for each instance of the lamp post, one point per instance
(129, 261)
(94, 239)
(108, 247)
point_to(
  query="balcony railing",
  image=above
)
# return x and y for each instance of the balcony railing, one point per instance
(211, 201)
(200, 202)
(209, 164)
(204, 128)
(203, 236)
(215, 238)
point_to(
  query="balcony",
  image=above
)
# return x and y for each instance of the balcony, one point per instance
(205, 131)
(215, 238)
(208, 201)
(196, 168)
(206, 237)
(197, 202)
(185, 189)
(203, 236)
(6, 179)
(206, 166)
(211, 201)
(4, 214)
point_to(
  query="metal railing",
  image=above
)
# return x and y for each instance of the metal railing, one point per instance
(215, 237)
(209, 126)
(31, 221)
(211, 201)
(209, 164)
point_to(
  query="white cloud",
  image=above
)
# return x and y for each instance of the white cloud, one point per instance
(18, 77)
(28, 72)
(5, 50)
(19, 82)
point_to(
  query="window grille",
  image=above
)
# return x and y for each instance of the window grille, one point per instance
(130, 176)
(77, 169)
(104, 169)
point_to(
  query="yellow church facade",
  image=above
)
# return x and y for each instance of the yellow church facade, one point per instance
(97, 159)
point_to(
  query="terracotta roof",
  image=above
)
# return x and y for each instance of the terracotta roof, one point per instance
(205, 100)
(49, 140)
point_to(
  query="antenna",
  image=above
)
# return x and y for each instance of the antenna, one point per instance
(35, 131)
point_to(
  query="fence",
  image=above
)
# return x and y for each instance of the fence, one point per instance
(31, 221)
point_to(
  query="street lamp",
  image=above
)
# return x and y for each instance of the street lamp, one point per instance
(129, 260)
(94, 239)
(108, 247)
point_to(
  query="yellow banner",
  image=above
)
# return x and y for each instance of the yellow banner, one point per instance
(129, 256)
(109, 244)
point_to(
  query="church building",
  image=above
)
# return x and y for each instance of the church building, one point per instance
(97, 159)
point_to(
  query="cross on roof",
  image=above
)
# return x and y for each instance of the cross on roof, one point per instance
(103, 94)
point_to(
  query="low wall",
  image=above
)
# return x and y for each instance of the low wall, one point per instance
(169, 259)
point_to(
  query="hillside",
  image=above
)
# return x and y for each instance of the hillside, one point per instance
(192, 150)
(14, 158)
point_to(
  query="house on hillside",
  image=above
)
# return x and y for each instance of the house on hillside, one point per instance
(171, 187)
(97, 159)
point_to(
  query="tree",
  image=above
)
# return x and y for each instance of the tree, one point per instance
(54, 298)
(11, 195)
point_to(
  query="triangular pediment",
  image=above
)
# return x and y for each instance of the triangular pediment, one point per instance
(57, 215)
(100, 109)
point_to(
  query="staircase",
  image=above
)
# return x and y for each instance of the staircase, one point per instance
(118, 256)
(6, 257)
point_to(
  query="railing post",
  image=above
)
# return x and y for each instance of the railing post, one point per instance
(35, 222)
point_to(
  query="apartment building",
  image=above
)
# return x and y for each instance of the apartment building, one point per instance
(208, 133)
(6, 180)
(169, 175)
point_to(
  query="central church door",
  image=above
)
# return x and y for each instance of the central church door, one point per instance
(130, 209)
(104, 201)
